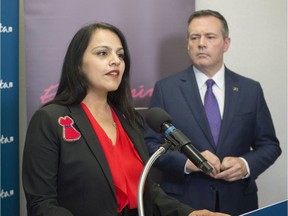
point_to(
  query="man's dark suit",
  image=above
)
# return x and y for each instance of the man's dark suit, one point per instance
(63, 178)
(247, 131)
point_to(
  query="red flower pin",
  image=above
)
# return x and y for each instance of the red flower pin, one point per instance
(70, 134)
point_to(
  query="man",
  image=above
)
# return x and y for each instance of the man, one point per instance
(240, 144)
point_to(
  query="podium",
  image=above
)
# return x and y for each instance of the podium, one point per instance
(277, 209)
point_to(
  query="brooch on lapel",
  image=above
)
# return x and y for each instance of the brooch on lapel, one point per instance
(70, 134)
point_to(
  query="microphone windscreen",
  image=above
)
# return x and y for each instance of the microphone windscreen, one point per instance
(155, 118)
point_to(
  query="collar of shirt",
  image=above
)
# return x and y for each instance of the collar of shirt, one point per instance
(218, 78)
(218, 87)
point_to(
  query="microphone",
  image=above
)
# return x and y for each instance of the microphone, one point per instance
(161, 122)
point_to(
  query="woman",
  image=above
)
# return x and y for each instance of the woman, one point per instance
(84, 150)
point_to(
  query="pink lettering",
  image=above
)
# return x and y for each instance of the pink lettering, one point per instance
(139, 93)
(49, 94)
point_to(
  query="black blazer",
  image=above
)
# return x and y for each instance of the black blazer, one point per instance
(64, 178)
(247, 131)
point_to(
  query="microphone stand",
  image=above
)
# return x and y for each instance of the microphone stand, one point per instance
(161, 150)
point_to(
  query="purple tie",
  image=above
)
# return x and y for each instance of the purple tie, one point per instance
(212, 110)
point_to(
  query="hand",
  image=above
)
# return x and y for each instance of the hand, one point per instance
(232, 169)
(212, 159)
(206, 213)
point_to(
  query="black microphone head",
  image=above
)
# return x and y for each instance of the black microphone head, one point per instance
(156, 117)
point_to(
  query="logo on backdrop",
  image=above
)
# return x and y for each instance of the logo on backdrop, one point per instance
(6, 194)
(139, 92)
(5, 85)
(6, 140)
(5, 29)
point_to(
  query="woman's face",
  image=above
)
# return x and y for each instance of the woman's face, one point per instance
(103, 64)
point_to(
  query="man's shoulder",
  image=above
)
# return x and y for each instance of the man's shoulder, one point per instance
(177, 75)
(238, 77)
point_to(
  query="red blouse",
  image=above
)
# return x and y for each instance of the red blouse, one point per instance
(125, 164)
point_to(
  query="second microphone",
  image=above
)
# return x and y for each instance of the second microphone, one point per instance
(161, 122)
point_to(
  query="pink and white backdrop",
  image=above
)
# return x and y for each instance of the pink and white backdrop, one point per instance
(155, 32)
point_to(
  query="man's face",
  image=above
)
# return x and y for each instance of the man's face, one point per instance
(206, 45)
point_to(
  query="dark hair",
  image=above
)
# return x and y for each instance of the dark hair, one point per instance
(73, 84)
(203, 13)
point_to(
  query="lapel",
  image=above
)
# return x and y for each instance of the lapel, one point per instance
(136, 138)
(191, 94)
(92, 141)
(232, 90)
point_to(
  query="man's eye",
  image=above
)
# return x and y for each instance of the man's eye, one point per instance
(211, 36)
(193, 38)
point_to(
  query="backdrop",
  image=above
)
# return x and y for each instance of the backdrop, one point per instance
(155, 32)
(9, 122)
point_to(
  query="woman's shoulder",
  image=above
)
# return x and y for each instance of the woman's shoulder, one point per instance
(51, 111)
(54, 108)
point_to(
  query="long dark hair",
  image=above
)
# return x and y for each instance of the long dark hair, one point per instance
(73, 85)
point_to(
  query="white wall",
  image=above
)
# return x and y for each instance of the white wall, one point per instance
(258, 31)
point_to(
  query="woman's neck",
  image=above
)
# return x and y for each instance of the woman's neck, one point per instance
(96, 102)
